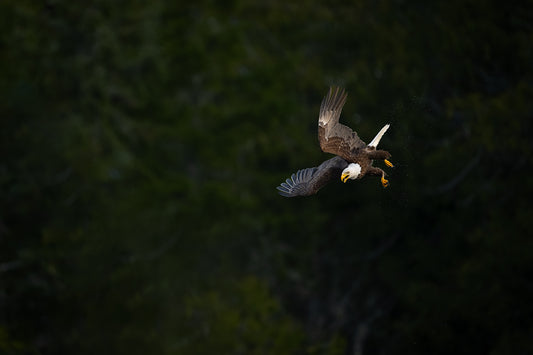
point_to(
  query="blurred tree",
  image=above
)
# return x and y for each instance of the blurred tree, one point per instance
(141, 144)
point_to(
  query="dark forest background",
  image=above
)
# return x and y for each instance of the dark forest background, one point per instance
(141, 143)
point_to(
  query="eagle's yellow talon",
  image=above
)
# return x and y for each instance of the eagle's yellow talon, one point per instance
(384, 181)
(388, 163)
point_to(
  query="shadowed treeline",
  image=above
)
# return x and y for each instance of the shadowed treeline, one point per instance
(141, 144)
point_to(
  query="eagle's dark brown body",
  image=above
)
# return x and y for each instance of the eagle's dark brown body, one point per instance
(341, 140)
(338, 139)
(361, 155)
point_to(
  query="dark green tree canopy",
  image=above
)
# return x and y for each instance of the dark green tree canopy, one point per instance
(141, 144)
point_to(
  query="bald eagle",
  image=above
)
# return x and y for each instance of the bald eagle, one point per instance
(353, 158)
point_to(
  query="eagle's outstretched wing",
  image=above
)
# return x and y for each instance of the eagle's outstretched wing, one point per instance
(334, 137)
(308, 181)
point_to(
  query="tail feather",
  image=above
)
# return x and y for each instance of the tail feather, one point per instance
(378, 136)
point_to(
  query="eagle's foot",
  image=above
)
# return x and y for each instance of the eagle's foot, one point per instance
(384, 181)
(388, 163)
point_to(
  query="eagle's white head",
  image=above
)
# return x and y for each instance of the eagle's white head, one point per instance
(352, 171)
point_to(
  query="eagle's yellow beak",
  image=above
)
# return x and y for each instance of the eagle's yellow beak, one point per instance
(344, 177)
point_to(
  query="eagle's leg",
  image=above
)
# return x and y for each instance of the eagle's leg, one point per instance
(380, 155)
(384, 182)
(378, 172)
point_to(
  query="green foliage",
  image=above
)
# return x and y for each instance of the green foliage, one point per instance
(10, 346)
(140, 148)
(250, 321)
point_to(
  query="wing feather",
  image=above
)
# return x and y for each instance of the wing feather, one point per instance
(334, 137)
(308, 181)
(331, 106)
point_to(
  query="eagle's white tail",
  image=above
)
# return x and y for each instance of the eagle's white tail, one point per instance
(378, 136)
